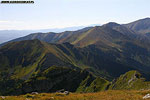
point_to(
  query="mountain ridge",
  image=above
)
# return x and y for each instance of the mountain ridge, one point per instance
(141, 26)
(88, 59)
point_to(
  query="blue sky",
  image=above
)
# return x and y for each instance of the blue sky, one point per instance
(46, 14)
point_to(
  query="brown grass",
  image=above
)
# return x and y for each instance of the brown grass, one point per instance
(106, 95)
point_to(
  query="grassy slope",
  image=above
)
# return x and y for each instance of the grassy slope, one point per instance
(56, 78)
(92, 58)
(111, 45)
(125, 47)
(130, 80)
(22, 58)
(141, 26)
(95, 85)
(35, 57)
(38, 63)
(106, 95)
(63, 53)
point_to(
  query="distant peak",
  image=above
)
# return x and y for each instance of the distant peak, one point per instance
(112, 24)
(144, 19)
(147, 18)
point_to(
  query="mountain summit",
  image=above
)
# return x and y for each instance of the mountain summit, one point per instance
(142, 26)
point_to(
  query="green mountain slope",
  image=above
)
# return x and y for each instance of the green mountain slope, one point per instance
(35, 60)
(130, 80)
(56, 78)
(21, 58)
(28, 64)
(35, 55)
(105, 61)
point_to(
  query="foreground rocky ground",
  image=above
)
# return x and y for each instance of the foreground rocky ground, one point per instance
(106, 95)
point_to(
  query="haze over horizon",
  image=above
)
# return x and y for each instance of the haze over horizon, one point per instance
(50, 14)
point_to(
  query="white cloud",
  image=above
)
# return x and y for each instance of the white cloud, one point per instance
(2, 21)
(8, 21)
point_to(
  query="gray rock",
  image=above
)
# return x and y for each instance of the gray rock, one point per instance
(66, 92)
(33, 93)
(147, 96)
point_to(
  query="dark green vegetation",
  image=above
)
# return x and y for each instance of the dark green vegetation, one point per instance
(86, 60)
(38, 66)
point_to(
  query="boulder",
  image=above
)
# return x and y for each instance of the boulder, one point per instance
(147, 96)
(66, 92)
(34, 93)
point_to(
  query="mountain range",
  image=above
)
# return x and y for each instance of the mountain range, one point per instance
(7, 35)
(87, 60)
